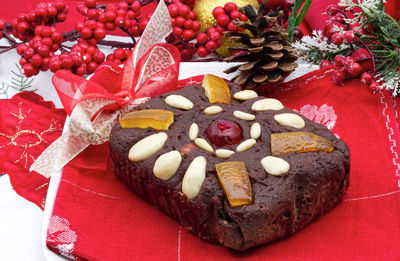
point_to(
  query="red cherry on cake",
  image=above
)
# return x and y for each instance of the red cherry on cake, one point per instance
(222, 133)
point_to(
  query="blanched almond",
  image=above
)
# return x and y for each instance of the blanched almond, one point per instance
(245, 95)
(146, 147)
(203, 144)
(244, 116)
(179, 102)
(275, 166)
(194, 177)
(211, 110)
(255, 130)
(246, 145)
(267, 104)
(224, 153)
(290, 120)
(167, 164)
(193, 131)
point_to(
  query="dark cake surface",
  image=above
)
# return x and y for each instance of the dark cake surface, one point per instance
(281, 204)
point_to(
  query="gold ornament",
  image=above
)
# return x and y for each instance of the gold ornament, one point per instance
(204, 8)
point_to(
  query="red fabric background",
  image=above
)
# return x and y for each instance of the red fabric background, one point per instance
(113, 224)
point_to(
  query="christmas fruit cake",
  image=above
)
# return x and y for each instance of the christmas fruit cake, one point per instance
(230, 166)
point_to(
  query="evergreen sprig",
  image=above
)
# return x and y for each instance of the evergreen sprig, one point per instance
(382, 41)
(299, 10)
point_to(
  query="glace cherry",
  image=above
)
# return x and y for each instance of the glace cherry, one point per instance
(222, 133)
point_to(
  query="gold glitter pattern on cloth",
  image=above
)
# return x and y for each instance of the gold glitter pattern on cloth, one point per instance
(36, 137)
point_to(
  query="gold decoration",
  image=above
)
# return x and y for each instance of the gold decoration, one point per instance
(203, 10)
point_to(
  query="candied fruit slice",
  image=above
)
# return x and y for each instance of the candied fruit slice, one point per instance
(287, 142)
(236, 182)
(152, 118)
(217, 90)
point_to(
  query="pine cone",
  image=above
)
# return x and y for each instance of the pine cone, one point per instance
(268, 53)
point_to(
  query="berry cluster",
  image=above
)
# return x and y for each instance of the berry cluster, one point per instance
(358, 63)
(47, 14)
(118, 56)
(124, 15)
(185, 25)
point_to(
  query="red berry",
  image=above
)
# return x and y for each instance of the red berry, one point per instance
(211, 45)
(99, 57)
(229, 7)
(91, 67)
(188, 35)
(363, 57)
(54, 47)
(337, 39)
(195, 25)
(243, 18)
(235, 15)
(43, 50)
(374, 87)
(92, 14)
(119, 21)
(99, 33)
(23, 27)
(231, 27)
(29, 70)
(177, 31)
(188, 24)
(192, 15)
(339, 60)
(202, 51)
(173, 10)
(202, 38)
(222, 133)
(81, 70)
(331, 28)
(218, 11)
(21, 48)
(215, 36)
(55, 65)
(28, 53)
(91, 49)
(61, 17)
(67, 62)
(349, 37)
(23, 61)
(179, 21)
(86, 32)
(325, 63)
(90, 3)
(354, 69)
(110, 16)
(183, 11)
(123, 5)
(339, 77)
(47, 41)
(366, 78)
(36, 60)
(119, 54)
(56, 37)
(223, 20)
(348, 61)
(136, 6)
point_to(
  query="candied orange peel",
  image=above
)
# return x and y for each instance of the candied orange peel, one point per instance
(152, 118)
(298, 142)
(236, 182)
(216, 89)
